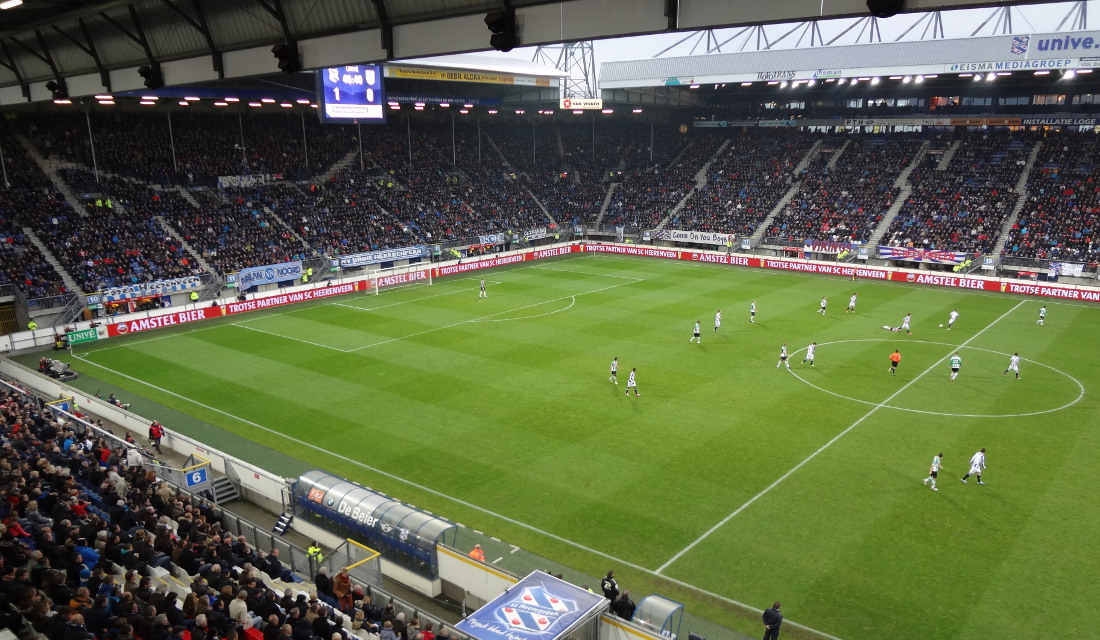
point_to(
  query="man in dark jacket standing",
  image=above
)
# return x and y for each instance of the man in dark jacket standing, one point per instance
(609, 586)
(772, 621)
(623, 606)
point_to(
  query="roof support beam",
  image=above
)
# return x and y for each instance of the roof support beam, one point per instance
(202, 26)
(24, 88)
(137, 36)
(276, 11)
(45, 56)
(385, 27)
(88, 47)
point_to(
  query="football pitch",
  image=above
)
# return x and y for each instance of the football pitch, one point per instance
(727, 478)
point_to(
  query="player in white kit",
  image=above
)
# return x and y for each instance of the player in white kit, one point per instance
(810, 354)
(977, 463)
(631, 382)
(937, 464)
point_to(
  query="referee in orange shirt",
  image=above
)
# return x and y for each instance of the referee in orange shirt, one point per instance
(895, 360)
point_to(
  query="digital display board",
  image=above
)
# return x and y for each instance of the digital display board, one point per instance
(351, 93)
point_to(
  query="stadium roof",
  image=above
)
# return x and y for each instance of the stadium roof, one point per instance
(98, 45)
(1006, 53)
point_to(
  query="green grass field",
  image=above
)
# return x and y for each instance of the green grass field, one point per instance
(727, 478)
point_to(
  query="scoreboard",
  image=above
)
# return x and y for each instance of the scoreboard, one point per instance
(351, 93)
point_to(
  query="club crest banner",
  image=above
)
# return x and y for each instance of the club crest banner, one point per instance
(539, 607)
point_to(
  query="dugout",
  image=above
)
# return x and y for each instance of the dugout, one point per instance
(660, 615)
(403, 534)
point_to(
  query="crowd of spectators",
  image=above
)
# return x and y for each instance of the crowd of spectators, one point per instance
(85, 531)
(845, 202)
(117, 241)
(28, 195)
(963, 207)
(744, 183)
(237, 233)
(647, 196)
(338, 216)
(88, 537)
(206, 145)
(1059, 219)
(569, 196)
(438, 182)
(531, 148)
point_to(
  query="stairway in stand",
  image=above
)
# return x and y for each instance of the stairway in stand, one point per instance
(50, 168)
(70, 283)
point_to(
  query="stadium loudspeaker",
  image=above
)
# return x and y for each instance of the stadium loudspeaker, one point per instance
(502, 24)
(885, 8)
(287, 55)
(58, 89)
(154, 77)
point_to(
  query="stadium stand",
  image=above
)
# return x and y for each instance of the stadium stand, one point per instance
(29, 197)
(647, 196)
(1060, 218)
(515, 176)
(236, 234)
(118, 241)
(205, 145)
(846, 201)
(964, 207)
(744, 183)
(94, 546)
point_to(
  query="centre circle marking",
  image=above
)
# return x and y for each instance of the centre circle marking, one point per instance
(1081, 387)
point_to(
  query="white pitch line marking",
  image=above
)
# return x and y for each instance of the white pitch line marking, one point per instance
(483, 318)
(394, 304)
(572, 301)
(503, 518)
(279, 335)
(825, 446)
(587, 273)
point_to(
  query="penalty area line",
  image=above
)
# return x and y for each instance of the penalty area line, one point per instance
(487, 318)
(825, 446)
(421, 298)
(588, 273)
